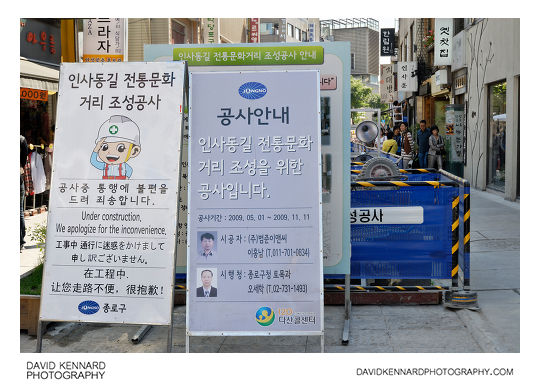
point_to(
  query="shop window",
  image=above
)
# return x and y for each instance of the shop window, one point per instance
(178, 33)
(496, 151)
(269, 28)
(297, 34)
(290, 30)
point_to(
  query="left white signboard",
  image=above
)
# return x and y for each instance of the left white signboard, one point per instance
(111, 227)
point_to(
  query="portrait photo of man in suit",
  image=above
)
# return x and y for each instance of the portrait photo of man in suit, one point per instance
(206, 290)
(207, 246)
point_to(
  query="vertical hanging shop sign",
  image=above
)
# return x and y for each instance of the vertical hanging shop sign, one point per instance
(282, 30)
(444, 30)
(311, 32)
(454, 122)
(387, 41)
(387, 83)
(211, 33)
(407, 76)
(113, 204)
(103, 40)
(255, 230)
(254, 30)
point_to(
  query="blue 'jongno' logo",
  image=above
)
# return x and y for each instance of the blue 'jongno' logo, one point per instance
(252, 90)
(88, 307)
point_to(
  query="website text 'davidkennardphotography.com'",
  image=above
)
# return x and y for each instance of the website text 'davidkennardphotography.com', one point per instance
(434, 371)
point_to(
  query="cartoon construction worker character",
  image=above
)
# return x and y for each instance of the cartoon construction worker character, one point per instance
(117, 141)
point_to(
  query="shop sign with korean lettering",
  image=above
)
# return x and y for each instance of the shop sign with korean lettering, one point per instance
(387, 83)
(40, 40)
(211, 33)
(111, 227)
(407, 79)
(311, 32)
(254, 30)
(444, 31)
(254, 222)
(455, 129)
(387, 41)
(33, 94)
(103, 40)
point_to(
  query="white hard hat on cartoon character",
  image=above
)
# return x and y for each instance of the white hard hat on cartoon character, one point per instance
(119, 128)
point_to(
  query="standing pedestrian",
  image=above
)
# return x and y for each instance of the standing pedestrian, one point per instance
(422, 138)
(23, 156)
(390, 145)
(407, 146)
(436, 146)
(397, 137)
(382, 137)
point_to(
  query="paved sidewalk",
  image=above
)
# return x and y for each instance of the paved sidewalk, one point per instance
(406, 328)
(381, 329)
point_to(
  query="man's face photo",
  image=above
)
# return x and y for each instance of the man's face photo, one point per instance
(207, 244)
(206, 278)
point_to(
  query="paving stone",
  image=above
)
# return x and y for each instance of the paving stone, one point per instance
(420, 321)
(349, 349)
(257, 348)
(454, 340)
(266, 340)
(367, 322)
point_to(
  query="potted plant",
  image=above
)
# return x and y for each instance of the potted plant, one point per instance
(30, 290)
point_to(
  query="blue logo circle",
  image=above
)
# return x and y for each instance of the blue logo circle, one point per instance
(252, 90)
(88, 307)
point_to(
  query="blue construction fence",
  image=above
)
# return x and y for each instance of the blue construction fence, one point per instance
(437, 248)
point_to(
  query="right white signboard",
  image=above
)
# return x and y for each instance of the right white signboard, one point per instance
(255, 233)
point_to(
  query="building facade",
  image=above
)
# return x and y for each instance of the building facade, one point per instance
(183, 31)
(286, 30)
(481, 84)
(364, 37)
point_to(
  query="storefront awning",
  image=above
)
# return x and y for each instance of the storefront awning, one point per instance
(39, 77)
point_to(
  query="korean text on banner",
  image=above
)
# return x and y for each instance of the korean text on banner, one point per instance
(103, 40)
(407, 79)
(114, 194)
(444, 31)
(254, 235)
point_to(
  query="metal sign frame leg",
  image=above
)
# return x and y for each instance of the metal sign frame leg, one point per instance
(141, 332)
(39, 341)
(347, 323)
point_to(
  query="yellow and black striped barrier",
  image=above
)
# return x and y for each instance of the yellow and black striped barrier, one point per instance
(406, 171)
(378, 288)
(467, 237)
(371, 183)
(455, 242)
